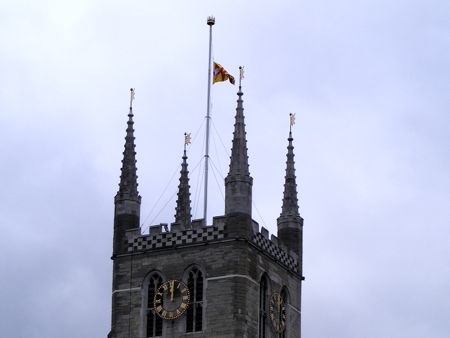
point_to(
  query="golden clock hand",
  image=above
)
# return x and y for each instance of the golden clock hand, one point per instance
(172, 286)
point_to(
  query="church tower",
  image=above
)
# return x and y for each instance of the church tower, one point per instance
(188, 279)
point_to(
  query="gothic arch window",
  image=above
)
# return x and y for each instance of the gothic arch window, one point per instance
(284, 296)
(263, 294)
(154, 323)
(194, 313)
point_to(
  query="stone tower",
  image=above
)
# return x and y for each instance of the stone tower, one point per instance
(225, 280)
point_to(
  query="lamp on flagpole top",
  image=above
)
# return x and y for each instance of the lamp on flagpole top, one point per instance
(211, 20)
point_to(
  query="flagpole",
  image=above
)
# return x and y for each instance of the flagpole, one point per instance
(210, 21)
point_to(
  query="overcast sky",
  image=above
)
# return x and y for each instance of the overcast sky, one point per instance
(367, 79)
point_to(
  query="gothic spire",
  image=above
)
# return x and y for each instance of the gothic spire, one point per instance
(239, 158)
(290, 201)
(127, 202)
(238, 183)
(290, 224)
(128, 178)
(183, 208)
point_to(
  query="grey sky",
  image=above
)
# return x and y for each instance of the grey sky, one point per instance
(368, 81)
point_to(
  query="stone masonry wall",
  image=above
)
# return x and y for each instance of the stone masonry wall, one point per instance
(232, 269)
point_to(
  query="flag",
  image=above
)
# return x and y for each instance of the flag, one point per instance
(187, 138)
(220, 74)
(292, 117)
(132, 94)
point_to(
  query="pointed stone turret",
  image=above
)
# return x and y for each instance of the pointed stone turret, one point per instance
(128, 178)
(183, 209)
(127, 200)
(238, 183)
(290, 223)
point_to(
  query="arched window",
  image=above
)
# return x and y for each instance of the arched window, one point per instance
(284, 296)
(194, 313)
(154, 322)
(263, 285)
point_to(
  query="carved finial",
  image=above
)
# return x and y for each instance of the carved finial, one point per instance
(241, 75)
(131, 97)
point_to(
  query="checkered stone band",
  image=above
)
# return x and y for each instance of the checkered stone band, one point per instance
(168, 239)
(278, 254)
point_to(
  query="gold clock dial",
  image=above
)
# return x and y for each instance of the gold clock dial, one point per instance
(171, 299)
(277, 311)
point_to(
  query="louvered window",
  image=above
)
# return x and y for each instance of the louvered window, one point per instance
(154, 322)
(262, 307)
(194, 313)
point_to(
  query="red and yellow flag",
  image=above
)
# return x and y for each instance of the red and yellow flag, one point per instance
(220, 74)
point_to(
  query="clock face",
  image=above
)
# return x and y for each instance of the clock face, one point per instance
(171, 299)
(277, 311)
